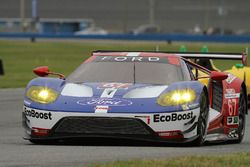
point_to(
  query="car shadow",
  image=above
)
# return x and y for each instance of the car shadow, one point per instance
(110, 142)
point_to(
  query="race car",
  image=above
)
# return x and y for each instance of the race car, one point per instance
(148, 96)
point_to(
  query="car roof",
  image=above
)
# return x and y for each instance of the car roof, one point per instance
(172, 59)
(127, 53)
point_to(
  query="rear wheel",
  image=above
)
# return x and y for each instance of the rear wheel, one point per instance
(202, 121)
(242, 117)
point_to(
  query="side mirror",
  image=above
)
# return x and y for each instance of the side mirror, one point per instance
(43, 71)
(218, 76)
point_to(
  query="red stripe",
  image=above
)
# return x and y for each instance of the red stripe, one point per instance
(174, 60)
(39, 131)
(170, 134)
(142, 54)
(90, 59)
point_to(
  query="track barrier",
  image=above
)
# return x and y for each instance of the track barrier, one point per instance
(145, 37)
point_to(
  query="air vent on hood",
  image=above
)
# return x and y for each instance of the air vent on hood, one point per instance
(146, 92)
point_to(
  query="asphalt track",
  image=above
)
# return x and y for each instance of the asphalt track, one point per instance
(16, 152)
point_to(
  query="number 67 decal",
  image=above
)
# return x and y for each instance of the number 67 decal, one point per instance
(232, 107)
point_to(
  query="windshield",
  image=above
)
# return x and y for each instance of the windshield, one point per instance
(127, 72)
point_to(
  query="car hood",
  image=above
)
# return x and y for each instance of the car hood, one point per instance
(114, 97)
(111, 90)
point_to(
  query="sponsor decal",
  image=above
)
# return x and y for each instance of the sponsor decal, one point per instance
(232, 106)
(130, 59)
(35, 114)
(105, 101)
(230, 93)
(232, 96)
(101, 109)
(114, 85)
(233, 133)
(233, 120)
(172, 117)
(230, 78)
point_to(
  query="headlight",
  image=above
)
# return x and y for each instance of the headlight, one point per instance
(41, 94)
(177, 97)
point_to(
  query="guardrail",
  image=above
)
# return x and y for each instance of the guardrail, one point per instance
(145, 37)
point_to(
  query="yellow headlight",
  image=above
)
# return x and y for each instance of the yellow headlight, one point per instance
(41, 94)
(177, 97)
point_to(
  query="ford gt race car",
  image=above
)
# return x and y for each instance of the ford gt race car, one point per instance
(148, 96)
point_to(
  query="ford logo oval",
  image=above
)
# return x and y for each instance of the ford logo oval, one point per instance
(105, 101)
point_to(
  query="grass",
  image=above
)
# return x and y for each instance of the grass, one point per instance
(20, 57)
(229, 160)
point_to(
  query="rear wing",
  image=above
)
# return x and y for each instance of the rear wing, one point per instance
(221, 56)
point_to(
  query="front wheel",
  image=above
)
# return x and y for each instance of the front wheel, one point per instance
(242, 117)
(202, 121)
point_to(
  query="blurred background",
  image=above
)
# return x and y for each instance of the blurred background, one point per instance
(126, 16)
(63, 33)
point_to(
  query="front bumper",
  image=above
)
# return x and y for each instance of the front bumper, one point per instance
(167, 127)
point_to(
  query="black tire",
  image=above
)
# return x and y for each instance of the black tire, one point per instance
(242, 117)
(202, 121)
(248, 101)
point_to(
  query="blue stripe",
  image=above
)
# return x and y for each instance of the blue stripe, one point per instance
(154, 37)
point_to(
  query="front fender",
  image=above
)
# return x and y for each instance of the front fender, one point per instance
(54, 83)
(243, 74)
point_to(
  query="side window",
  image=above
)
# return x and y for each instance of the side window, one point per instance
(187, 71)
